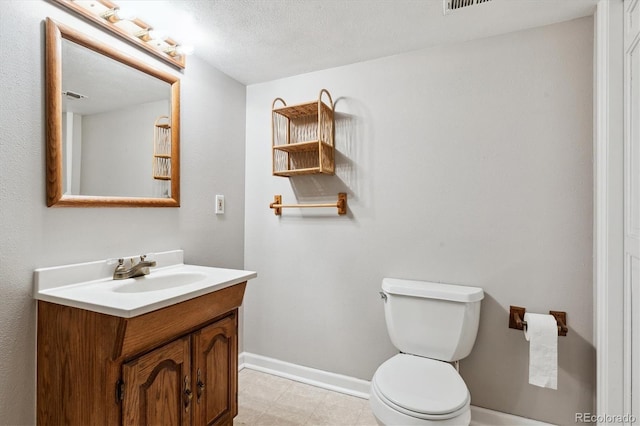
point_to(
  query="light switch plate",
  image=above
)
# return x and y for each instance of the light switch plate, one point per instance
(219, 204)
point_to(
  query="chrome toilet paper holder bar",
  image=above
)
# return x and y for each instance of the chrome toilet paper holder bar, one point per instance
(516, 319)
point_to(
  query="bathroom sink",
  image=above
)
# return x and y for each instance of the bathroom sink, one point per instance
(158, 282)
(91, 285)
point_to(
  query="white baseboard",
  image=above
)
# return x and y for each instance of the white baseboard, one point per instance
(360, 388)
(311, 376)
(485, 417)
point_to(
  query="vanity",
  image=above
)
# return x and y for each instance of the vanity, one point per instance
(158, 349)
(118, 345)
(113, 347)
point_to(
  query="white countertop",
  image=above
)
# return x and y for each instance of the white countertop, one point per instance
(91, 285)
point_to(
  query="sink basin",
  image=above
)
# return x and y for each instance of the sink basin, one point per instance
(159, 282)
(91, 286)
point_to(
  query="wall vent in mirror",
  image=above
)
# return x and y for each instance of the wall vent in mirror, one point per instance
(124, 23)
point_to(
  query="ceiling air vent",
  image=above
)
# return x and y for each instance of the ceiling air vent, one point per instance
(73, 95)
(449, 5)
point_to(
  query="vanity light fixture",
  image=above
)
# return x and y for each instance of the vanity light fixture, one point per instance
(171, 51)
(111, 15)
(143, 35)
(123, 23)
(157, 35)
(179, 50)
(119, 14)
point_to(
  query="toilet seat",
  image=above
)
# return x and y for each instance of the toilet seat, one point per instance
(420, 387)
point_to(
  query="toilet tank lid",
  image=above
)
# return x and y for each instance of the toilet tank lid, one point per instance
(456, 293)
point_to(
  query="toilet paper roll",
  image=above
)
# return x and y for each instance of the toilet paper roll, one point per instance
(542, 335)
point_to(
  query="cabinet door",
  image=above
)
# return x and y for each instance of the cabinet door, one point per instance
(157, 386)
(215, 372)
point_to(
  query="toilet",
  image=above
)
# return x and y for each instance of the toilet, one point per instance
(432, 325)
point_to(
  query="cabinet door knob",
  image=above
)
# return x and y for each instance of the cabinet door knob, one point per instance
(200, 385)
(188, 395)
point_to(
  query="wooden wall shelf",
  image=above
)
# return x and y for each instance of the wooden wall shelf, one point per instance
(303, 137)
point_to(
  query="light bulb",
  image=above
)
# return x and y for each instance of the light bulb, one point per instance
(126, 13)
(185, 49)
(157, 35)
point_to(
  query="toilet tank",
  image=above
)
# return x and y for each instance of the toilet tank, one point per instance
(433, 320)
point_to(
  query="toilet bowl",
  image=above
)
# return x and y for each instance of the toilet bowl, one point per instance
(432, 324)
(403, 393)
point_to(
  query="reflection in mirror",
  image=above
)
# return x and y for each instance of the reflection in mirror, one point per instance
(108, 128)
(113, 126)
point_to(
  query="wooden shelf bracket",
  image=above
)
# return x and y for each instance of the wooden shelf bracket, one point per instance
(341, 204)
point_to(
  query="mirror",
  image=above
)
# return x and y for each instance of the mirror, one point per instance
(113, 126)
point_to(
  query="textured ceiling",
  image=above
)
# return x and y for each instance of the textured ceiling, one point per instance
(261, 40)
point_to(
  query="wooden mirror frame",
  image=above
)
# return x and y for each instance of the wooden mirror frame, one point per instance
(55, 33)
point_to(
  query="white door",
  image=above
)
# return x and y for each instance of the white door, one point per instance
(632, 205)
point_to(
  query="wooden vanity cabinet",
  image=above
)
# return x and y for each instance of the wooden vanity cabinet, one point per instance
(174, 366)
(188, 381)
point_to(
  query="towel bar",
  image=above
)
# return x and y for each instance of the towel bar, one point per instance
(341, 204)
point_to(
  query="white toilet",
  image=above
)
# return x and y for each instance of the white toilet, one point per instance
(432, 325)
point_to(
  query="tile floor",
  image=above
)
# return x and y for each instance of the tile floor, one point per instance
(267, 400)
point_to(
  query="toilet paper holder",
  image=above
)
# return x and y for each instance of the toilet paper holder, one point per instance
(516, 319)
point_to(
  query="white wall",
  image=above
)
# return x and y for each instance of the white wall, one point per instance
(468, 163)
(75, 174)
(32, 235)
(117, 159)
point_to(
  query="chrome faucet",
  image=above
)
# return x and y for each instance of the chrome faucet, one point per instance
(136, 270)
